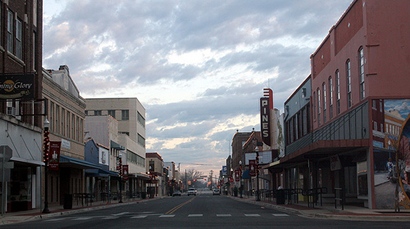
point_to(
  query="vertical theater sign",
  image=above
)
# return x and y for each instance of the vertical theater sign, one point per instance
(266, 105)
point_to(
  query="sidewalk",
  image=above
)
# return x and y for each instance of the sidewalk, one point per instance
(55, 210)
(328, 211)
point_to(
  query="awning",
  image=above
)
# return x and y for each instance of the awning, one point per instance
(142, 176)
(19, 159)
(100, 173)
(246, 174)
(76, 163)
(117, 146)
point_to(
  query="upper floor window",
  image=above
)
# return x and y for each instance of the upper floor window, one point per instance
(348, 84)
(125, 114)
(361, 73)
(324, 102)
(19, 39)
(141, 119)
(330, 85)
(97, 112)
(319, 105)
(111, 113)
(10, 21)
(1, 22)
(337, 75)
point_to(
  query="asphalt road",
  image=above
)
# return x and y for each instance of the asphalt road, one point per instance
(201, 211)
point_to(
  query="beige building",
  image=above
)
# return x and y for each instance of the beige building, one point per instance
(65, 112)
(127, 140)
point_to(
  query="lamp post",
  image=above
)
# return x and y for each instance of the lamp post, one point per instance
(240, 179)
(257, 173)
(46, 148)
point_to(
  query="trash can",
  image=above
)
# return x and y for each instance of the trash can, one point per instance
(143, 195)
(280, 196)
(68, 201)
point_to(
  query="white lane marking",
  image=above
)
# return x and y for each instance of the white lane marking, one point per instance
(139, 217)
(166, 216)
(252, 215)
(122, 213)
(110, 217)
(280, 215)
(83, 218)
(223, 215)
(195, 215)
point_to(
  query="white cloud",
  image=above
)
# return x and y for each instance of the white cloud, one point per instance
(199, 67)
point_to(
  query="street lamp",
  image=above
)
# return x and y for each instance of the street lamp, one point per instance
(257, 173)
(240, 179)
(46, 148)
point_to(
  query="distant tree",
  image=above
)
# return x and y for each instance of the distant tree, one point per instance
(192, 176)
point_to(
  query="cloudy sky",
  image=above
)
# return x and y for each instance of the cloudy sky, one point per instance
(198, 67)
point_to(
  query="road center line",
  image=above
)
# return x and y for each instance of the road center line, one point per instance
(173, 210)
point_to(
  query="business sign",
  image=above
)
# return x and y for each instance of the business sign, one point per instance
(252, 168)
(266, 105)
(54, 160)
(224, 171)
(17, 86)
(125, 172)
(237, 177)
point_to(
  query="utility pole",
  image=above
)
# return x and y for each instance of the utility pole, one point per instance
(210, 176)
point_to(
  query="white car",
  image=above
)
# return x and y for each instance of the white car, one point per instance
(192, 191)
(216, 192)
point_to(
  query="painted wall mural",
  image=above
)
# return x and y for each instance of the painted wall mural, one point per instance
(391, 152)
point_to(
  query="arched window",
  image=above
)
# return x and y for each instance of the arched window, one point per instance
(361, 73)
(348, 84)
(337, 75)
(324, 102)
(330, 85)
(319, 105)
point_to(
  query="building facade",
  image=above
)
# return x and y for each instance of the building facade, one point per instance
(346, 131)
(65, 110)
(128, 138)
(155, 170)
(21, 114)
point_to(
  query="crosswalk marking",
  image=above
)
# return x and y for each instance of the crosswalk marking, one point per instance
(143, 216)
(280, 215)
(110, 217)
(252, 215)
(223, 215)
(166, 216)
(139, 217)
(83, 218)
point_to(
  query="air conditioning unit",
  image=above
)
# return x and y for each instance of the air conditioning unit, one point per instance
(11, 111)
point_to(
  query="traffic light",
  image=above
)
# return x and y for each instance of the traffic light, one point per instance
(46, 146)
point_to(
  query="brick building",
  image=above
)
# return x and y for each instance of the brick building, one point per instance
(345, 129)
(21, 107)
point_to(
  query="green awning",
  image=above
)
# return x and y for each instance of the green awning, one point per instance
(76, 163)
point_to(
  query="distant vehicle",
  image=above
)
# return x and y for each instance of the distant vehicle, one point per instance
(192, 191)
(216, 192)
(177, 193)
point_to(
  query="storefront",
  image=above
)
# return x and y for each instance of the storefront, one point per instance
(20, 166)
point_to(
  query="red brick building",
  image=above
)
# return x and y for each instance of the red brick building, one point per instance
(359, 74)
(21, 106)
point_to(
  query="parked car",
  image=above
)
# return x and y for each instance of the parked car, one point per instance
(192, 191)
(216, 191)
(177, 193)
